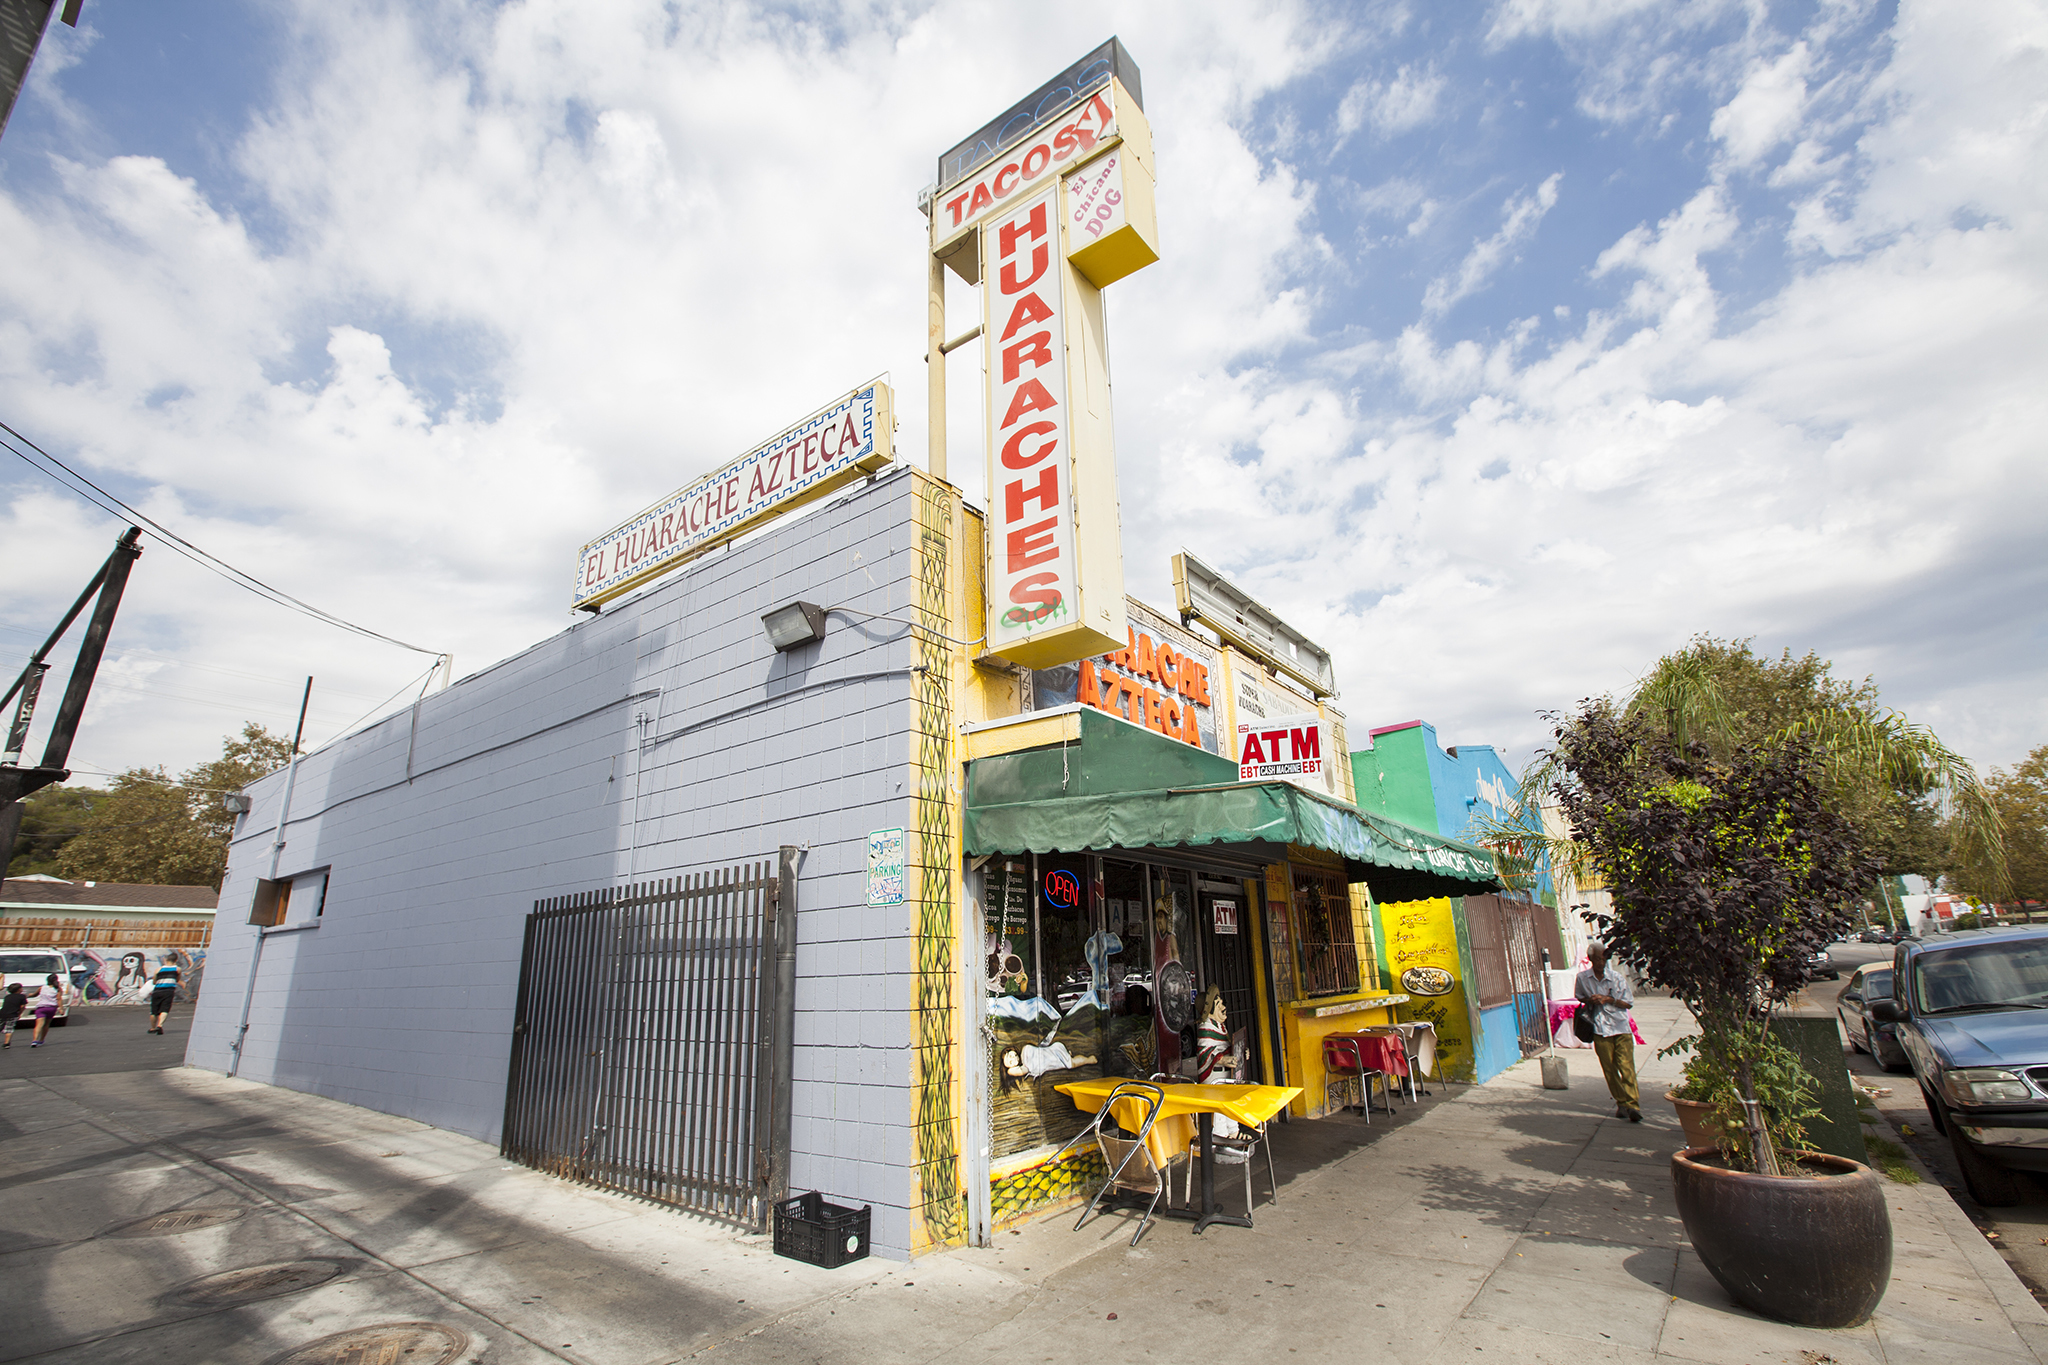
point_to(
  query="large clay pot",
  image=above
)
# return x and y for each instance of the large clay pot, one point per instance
(1817, 1252)
(1697, 1118)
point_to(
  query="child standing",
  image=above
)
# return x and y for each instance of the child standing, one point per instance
(11, 1006)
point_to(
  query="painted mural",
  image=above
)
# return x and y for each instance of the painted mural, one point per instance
(1421, 956)
(122, 976)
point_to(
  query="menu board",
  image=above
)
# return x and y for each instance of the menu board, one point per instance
(1006, 921)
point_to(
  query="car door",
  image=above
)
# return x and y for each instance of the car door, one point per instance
(1855, 1019)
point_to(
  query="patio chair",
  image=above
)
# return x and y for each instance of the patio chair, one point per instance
(1131, 1168)
(1344, 1067)
(1237, 1150)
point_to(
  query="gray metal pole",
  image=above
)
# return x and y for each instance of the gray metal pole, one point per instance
(126, 552)
(779, 1120)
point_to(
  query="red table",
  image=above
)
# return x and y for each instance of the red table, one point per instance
(1382, 1052)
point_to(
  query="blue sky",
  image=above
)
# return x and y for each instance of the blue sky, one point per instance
(1501, 347)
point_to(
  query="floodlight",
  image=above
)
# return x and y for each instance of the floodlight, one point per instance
(799, 623)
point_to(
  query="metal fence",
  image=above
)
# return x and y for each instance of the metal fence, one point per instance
(650, 1049)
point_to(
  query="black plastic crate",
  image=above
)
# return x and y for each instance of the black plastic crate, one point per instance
(809, 1229)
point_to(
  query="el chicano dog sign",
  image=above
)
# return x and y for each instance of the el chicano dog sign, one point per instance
(835, 445)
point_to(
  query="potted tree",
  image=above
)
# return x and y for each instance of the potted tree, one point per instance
(1726, 873)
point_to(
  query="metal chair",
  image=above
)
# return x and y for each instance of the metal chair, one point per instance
(1234, 1151)
(1401, 1040)
(1129, 1159)
(1344, 1066)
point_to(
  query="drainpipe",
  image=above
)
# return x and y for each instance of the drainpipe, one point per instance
(284, 810)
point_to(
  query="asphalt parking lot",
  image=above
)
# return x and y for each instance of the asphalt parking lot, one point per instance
(97, 1040)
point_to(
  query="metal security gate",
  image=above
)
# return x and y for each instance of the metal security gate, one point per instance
(1525, 973)
(651, 1047)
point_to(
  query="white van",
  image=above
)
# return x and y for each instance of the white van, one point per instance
(32, 968)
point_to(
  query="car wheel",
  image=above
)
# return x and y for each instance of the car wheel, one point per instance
(1990, 1184)
(1850, 1034)
(1934, 1111)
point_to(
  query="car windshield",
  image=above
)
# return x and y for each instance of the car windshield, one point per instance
(20, 964)
(2009, 974)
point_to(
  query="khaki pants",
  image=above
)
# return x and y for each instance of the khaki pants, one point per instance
(1618, 1064)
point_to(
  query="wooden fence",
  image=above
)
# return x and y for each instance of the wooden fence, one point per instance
(105, 933)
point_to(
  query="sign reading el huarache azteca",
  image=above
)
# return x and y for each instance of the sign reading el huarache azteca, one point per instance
(1043, 207)
(840, 442)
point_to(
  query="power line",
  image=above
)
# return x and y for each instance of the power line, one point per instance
(70, 479)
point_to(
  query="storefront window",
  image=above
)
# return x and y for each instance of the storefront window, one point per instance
(1327, 943)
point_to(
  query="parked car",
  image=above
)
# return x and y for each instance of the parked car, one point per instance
(1872, 981)
(1874, 933)
(32, 967)
(1824, 966)
(1969, 1016)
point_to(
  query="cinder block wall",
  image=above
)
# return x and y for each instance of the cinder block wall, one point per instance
(533, 779)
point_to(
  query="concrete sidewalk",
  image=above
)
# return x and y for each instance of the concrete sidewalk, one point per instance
(1526, 1224)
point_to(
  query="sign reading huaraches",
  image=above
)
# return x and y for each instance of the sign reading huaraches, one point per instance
(835, 445)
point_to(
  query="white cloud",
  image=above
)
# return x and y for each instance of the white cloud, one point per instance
(1390, 107)
(1766, 111)
(1520, 215)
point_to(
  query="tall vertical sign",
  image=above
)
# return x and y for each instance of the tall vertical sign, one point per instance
(1042, 208)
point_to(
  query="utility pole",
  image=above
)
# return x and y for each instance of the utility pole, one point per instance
(16, 781)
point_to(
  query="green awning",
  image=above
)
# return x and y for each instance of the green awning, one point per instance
(1104, 792)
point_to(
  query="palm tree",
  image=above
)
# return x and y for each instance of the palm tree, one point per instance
(1874, 761)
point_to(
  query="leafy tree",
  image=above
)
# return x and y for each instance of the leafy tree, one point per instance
(2021, 797)
(50, 818)
(1728, 871)
(148, 828)
(1915, 805)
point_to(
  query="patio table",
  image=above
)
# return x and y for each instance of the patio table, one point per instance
(1250, 1105)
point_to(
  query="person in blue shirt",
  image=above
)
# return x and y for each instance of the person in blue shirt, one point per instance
(163, 991)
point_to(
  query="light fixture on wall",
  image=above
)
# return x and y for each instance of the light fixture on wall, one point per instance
(799, 623)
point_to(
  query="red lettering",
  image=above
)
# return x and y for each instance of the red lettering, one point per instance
(1010, 233)
(1029, 309)
(811, 445)
(997, 183)
(1040, 256)
(954, 206)
(1013, 449)
(1044, 155)
(1064, 145)
(1046, 495)
(1252, 752)
(668, 533)
(848, 436)
(1036, 591)
(1308, 744)
(593, 570)
(1030, 397)
(1033, 544)
(982, 199)
(758, 488)
(1036, 348)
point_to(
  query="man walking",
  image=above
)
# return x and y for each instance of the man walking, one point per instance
(1607, 997)
(163, 991)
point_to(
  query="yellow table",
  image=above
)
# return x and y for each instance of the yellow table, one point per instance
(1187, 1114)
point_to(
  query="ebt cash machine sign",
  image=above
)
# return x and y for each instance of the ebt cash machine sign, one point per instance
(1055, 547)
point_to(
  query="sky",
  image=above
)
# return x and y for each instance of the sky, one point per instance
(1500, 348)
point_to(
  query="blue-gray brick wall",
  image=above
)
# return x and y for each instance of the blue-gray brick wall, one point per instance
(534, 779)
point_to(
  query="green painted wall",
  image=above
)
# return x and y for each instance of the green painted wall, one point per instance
(1392, 778)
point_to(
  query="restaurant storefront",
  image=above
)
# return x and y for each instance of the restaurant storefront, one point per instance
(1121, 875)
